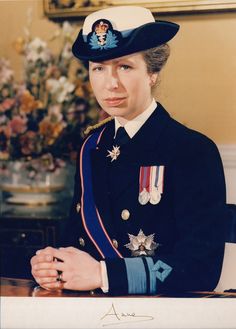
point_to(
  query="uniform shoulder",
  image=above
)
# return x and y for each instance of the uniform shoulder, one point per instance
(93, 128)
(185, 141)
(187, 135)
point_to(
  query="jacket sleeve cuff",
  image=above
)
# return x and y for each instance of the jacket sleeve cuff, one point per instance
(105, 284)
(127, 276)
(135, 276)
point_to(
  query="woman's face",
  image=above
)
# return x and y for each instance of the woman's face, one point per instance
(122, 85)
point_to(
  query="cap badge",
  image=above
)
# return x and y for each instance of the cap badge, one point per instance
(142, 245)
(114, 153)
(103, 36)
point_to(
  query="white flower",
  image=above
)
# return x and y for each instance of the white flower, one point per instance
(6, 73)
(52, 86)
(66, 51)
(55, 111)
(60, 89)
(37, 50)
(67, 29)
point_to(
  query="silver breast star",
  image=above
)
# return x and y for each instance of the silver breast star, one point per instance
(114, 153)
(142, 245)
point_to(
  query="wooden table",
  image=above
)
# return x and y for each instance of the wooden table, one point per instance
(28, 288)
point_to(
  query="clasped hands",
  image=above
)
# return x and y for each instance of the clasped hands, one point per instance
(79, 270)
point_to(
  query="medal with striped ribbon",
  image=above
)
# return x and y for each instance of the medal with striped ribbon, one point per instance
(150, 184)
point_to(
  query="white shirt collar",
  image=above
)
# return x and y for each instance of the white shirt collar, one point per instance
(133, 126)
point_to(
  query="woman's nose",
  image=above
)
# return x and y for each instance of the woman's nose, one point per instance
(112, 81)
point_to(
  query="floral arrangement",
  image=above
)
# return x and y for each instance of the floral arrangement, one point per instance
(44, 116)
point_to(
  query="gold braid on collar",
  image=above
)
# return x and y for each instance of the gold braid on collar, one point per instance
(97, 125)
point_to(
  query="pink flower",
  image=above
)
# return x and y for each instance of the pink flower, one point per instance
(18, 125)
(6, 104)
(29, 143)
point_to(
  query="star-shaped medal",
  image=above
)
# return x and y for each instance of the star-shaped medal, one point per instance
(114, 153)
(142, 245)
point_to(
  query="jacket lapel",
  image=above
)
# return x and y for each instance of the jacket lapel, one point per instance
(145, 142)
(141, 150)
(100, 168)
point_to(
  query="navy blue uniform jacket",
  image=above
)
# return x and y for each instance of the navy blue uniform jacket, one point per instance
(188, 222)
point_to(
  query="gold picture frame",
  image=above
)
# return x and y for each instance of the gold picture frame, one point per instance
(81, 8)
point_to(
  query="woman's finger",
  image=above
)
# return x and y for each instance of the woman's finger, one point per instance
(58, 254)
(44, 273)
(41, 258)
(48, 269)
(53, 285)
(46, 280)
(69, 249)
(47, 250)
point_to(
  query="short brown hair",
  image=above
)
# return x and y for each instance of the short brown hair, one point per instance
(156, 58)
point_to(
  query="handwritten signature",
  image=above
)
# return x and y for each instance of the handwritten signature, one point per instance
(121, 317)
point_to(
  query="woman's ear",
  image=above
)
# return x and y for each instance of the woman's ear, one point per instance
(153, 79)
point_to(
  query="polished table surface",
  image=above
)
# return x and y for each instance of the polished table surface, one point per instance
(28, 288)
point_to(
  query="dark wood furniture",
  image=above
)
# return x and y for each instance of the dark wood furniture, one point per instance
(25, 229)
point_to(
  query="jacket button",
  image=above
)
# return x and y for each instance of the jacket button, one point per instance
(78, 207)
(125, 214)
(115, 243)
(81, 242)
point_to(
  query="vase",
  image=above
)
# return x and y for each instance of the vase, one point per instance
(24, 183)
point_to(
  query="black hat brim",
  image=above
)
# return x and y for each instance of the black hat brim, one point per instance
(144, 37)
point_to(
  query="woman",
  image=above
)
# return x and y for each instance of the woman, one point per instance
(149, 202)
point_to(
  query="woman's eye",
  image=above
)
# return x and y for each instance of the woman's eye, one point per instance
(125, 67)
(97, 68)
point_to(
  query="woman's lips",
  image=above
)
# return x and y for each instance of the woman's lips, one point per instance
(114, 101)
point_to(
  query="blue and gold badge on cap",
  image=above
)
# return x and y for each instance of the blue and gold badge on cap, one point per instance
(103, 36)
